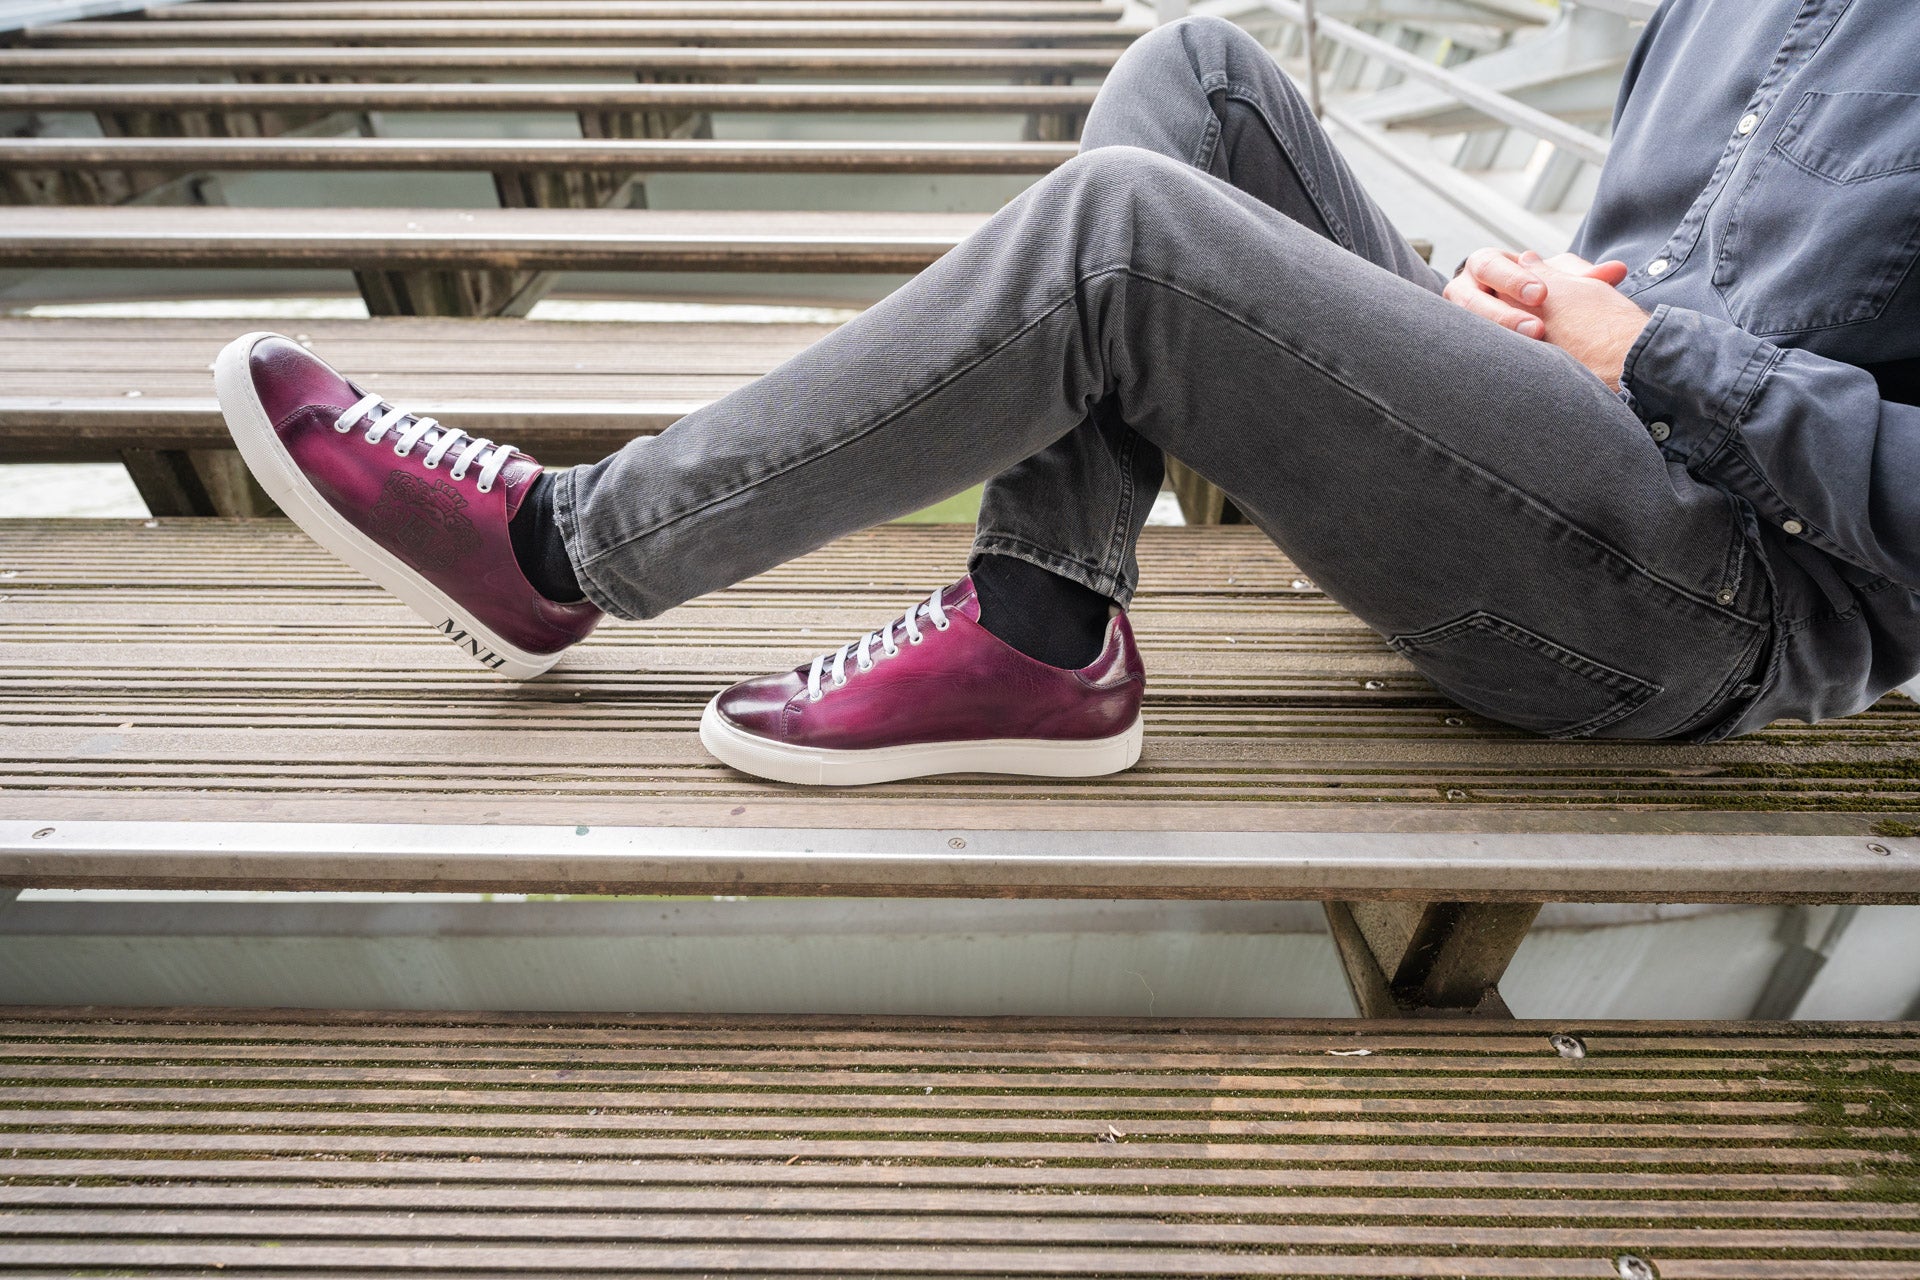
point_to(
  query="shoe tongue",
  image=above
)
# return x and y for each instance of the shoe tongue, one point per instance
(962, 599)
(517, 479)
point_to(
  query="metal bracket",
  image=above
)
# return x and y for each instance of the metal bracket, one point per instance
(1428, 959)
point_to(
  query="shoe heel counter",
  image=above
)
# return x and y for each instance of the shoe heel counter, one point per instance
(1119, 668)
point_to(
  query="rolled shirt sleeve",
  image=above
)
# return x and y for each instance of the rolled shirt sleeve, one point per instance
(1807, 440)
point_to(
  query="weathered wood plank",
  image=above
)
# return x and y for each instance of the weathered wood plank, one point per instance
(215, 649)
(666, 10)
(547, 155)
(588, 31)
(887, 1179)
(508, 96)
(373, 63)
(503, 239)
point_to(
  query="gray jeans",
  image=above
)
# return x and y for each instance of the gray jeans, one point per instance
(1207, 279)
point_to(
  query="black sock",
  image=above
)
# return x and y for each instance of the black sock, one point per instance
(538, 547)
(1049, 618)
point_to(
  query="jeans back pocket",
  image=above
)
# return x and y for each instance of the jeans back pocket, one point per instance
(1827, 224)
(1502, 670)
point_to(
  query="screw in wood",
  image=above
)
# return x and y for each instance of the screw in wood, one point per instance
(43, 833)
(1633, 1267)
(1880, 849)
(1571, 1047)
(956, 843)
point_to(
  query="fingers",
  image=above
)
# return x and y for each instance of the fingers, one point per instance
(1508, 278)
(1612, 271)
(1463, 291)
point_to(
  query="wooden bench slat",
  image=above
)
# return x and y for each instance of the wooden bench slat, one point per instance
(533, 239)
(710, 32)
(1053, 1232)
(883, 1200)
(674, 10)
(372, 62)
(878, 1186)
(656, 155)
(232, 662)
(495, 96)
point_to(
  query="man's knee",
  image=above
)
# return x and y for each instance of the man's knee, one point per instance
(1215, 51)
(1119, 171)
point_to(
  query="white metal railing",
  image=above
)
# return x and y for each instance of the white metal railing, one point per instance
(16, 14)
(1573, 147)
(1571, 138)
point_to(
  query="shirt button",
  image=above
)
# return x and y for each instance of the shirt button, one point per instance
(1793, 526)
(1658, 267)
(1748, 123)
(1659, 430)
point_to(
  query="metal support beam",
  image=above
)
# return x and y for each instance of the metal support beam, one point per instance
(1804, 958)
(1428, 959)
(196, 482)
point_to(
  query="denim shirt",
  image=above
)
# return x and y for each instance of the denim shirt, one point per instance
(1764, 187)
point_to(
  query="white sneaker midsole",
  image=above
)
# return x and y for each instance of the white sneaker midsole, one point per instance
(287, 485)
(828, 767)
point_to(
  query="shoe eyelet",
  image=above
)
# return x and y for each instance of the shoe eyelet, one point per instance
(841, 683)
(430, 465)
(399, 453)
(941, 626)
(342, 430)
(915, 639)
(456, 475)
(815, 697)
(484, 488)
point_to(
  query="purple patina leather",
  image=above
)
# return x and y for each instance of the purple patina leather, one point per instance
(446, 530)
(963, 684)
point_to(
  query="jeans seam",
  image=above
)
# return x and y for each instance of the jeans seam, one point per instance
(1249, 97)
(836, 445)
(1123, 509)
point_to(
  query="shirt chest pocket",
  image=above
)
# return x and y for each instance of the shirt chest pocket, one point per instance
(1827, 225)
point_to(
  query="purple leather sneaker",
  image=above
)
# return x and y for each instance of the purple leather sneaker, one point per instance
(419, 508)
(935, 692)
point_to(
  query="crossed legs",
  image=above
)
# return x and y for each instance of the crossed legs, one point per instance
(1224, 293)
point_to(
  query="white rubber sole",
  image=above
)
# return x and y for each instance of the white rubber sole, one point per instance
(284, 482)
(824, 767)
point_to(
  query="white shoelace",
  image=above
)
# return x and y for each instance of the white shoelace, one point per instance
(861, 650)
(442, 439)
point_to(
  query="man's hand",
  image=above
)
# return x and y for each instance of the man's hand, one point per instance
(1566, 300)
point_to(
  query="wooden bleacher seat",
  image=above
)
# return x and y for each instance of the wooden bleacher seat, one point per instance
(519, 239)
(622, 155)
(253, 714)
(81, 390)
(272, 1143)
(659, 10)
(562, 31)
(378, 62)
(120, 97)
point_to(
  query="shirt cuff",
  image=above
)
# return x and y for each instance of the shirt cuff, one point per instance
(1697, 375)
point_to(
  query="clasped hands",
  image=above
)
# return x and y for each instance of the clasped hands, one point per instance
(1574, 304)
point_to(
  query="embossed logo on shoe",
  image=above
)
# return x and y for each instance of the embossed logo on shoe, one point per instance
(422, 518)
